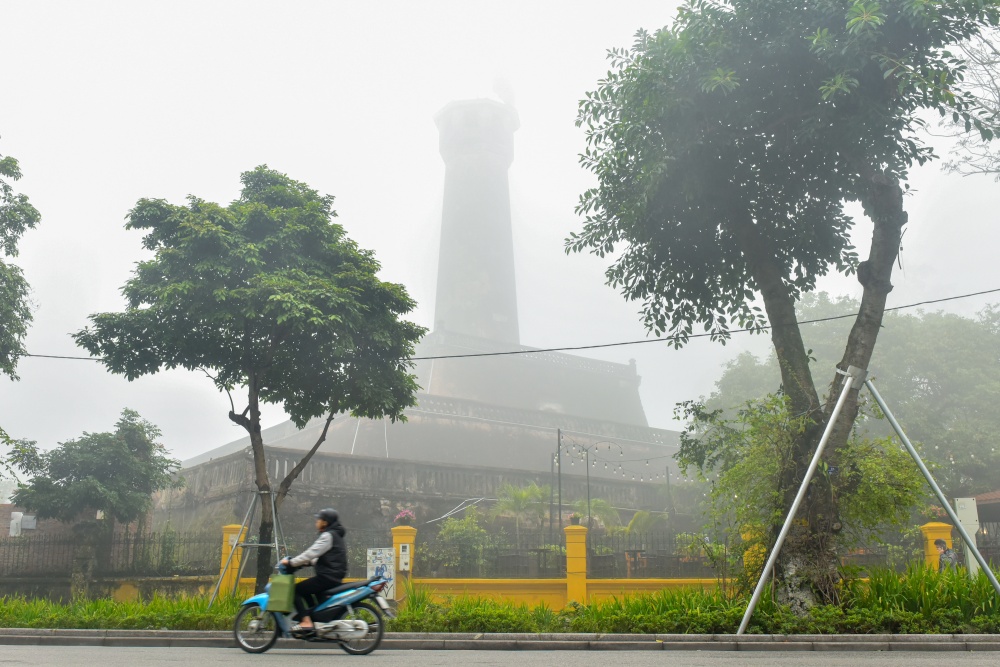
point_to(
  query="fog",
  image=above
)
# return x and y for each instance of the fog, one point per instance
(104, 103)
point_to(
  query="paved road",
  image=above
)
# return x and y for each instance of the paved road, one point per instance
(192, 657)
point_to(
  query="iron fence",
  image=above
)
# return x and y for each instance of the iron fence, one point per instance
(155, 554)
(501, 554)
(646, 555)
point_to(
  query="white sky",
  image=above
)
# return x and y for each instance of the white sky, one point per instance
(107, 102)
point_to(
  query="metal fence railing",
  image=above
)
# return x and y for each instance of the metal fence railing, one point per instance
(498, 554)
(358, 542)
(645, 555)
(154, 554)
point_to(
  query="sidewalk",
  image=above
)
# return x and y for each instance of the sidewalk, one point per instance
(526, 642)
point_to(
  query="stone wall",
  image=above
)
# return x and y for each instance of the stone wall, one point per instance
(367, 491)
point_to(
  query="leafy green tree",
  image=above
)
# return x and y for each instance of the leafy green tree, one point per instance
(17, 215)
(725, 147)
(459, 544)
(270, 295)
(938, 371)
(970, 156)
(876, 482)
(116, 473)
(524, 503)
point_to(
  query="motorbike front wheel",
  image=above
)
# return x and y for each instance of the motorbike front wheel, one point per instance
(255, 630)
(370, 614)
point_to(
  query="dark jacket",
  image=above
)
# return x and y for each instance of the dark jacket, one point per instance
(328, 554)
(948, 560)
(333, 563)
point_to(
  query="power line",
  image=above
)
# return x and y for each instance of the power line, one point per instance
(574, 348)
(701, 335)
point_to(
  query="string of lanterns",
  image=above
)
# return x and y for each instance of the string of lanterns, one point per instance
(576, 451)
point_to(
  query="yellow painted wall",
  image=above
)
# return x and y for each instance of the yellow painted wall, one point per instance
(603, 589)
(529, 591)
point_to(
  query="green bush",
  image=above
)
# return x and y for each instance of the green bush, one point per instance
(917, 601)
(156, 614)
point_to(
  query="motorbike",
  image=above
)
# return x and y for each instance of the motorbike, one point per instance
(345, 615)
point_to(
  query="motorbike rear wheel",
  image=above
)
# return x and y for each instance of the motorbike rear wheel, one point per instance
(370, 614)
(255, 630)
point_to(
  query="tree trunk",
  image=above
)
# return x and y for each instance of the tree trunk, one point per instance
(250, 420)
(808, 562)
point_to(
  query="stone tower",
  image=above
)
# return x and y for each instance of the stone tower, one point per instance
(476, 290)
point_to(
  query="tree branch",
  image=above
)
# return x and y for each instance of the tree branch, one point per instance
(286, 483)
(232, 406)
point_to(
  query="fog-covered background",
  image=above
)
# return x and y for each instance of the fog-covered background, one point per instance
(107, 102)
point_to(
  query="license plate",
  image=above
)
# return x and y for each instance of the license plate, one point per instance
(382, 603)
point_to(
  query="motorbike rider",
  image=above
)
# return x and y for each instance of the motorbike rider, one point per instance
(328, 554)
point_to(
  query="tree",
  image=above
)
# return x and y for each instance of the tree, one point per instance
(116, 473)
(875, 482)
(113, 473)
(971, 156)
(938, 371)
(17, 215)
(268, 294)
(725, 147)
(521, 502)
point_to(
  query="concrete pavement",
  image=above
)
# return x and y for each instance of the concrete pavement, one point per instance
(526, 642)
(189, 657)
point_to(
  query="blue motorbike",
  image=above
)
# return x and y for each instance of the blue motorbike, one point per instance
(351, 615)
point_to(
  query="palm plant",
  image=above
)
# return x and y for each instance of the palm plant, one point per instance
(601, 510)
(520, 502)
(645, 522)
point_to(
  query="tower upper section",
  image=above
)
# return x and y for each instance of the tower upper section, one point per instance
(476, 286)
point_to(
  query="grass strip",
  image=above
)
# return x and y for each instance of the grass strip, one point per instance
(918, 601)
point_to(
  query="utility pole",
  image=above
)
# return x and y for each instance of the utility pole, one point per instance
(670, 497)
(552, 490)
(559, 472)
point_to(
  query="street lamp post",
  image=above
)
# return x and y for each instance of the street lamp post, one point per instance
(559, 472)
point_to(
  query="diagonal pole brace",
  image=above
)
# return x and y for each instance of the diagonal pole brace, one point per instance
(856, 377)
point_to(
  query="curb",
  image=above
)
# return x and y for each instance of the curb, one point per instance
(404, 641)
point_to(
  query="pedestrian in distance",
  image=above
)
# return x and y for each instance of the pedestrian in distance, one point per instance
(947, 558)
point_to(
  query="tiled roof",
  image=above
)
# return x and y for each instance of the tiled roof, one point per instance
(988, 498)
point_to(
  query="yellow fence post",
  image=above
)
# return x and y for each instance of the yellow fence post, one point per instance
(231, 536)
(576, 564)
(403, 539)
(934, 531)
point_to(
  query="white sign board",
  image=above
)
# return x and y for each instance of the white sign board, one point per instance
(382, 562)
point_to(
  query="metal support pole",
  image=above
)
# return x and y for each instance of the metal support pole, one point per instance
(855, 376)
(251, 522)
(971, 543)
(225, 568)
